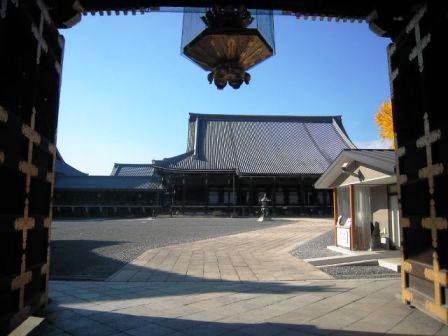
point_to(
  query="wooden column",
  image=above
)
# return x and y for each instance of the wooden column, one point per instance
(325, 195)
(302, 194)
(335, 213)
(234, 195)
(251, 194)
(184, 193)
(352, 216)
(206, 193)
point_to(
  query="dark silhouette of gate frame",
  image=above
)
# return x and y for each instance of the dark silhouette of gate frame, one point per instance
(31, 52)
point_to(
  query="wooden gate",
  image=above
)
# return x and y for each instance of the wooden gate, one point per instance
(418, 69)
(30, 73)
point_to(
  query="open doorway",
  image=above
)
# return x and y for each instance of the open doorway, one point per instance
(29, 114)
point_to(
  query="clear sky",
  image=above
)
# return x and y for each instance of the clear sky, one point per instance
(127, 91)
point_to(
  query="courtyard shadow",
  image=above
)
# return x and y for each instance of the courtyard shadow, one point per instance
(74, 260)
(77, 260)
(84, 322)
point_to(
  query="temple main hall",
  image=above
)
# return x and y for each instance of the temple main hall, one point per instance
(231, 161)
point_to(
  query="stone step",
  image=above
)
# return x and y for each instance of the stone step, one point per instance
(393, 264)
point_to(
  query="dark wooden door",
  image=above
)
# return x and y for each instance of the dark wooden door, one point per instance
(30, 73)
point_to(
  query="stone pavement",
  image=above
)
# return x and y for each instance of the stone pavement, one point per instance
(262, 255)
(233, 308)
(236, 285)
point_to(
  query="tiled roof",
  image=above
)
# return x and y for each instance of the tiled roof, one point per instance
(379, 159)
(108, 182)
(260, 145)
(62, 168)
(131, 169)
(385, 158)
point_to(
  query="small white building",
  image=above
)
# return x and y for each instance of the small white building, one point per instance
(365, 197)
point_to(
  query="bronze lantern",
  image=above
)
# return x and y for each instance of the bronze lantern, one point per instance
(227, 40)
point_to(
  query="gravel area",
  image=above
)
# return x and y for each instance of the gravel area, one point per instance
(317, 247)
(95, 249)
(360, 272)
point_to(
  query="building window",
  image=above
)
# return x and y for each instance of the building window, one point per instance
(279, 197)
(243, 197)
(228, 197)
(213, 197)
(311, 197)
(343, 203)
(320, 198)
(328, 198)
(293, 197)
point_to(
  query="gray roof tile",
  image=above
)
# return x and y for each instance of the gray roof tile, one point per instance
(261, 145)
(132, 169)
(63, 168)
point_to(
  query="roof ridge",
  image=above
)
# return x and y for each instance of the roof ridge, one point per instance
(267, 117)
(371, 149)
(108, 176)
(186, 154)
(319, 149)
(132, 164)
(340, 130)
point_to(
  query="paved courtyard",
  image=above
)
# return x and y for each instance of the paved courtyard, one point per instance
(95, 249)
(262, 255)
(242, 284)
(319, 307)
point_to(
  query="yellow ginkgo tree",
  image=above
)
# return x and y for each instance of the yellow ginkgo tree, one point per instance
(384, 120)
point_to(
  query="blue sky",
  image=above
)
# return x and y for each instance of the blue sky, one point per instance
(127, 91)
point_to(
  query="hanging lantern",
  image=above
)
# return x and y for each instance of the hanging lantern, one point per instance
(227, 40)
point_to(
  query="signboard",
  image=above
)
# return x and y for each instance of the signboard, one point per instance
(343, 237)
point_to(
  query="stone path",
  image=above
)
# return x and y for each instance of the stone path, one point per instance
(231, 286)
(297, 308)
(262, 255)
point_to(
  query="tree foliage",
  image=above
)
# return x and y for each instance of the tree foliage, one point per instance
(384, 120)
